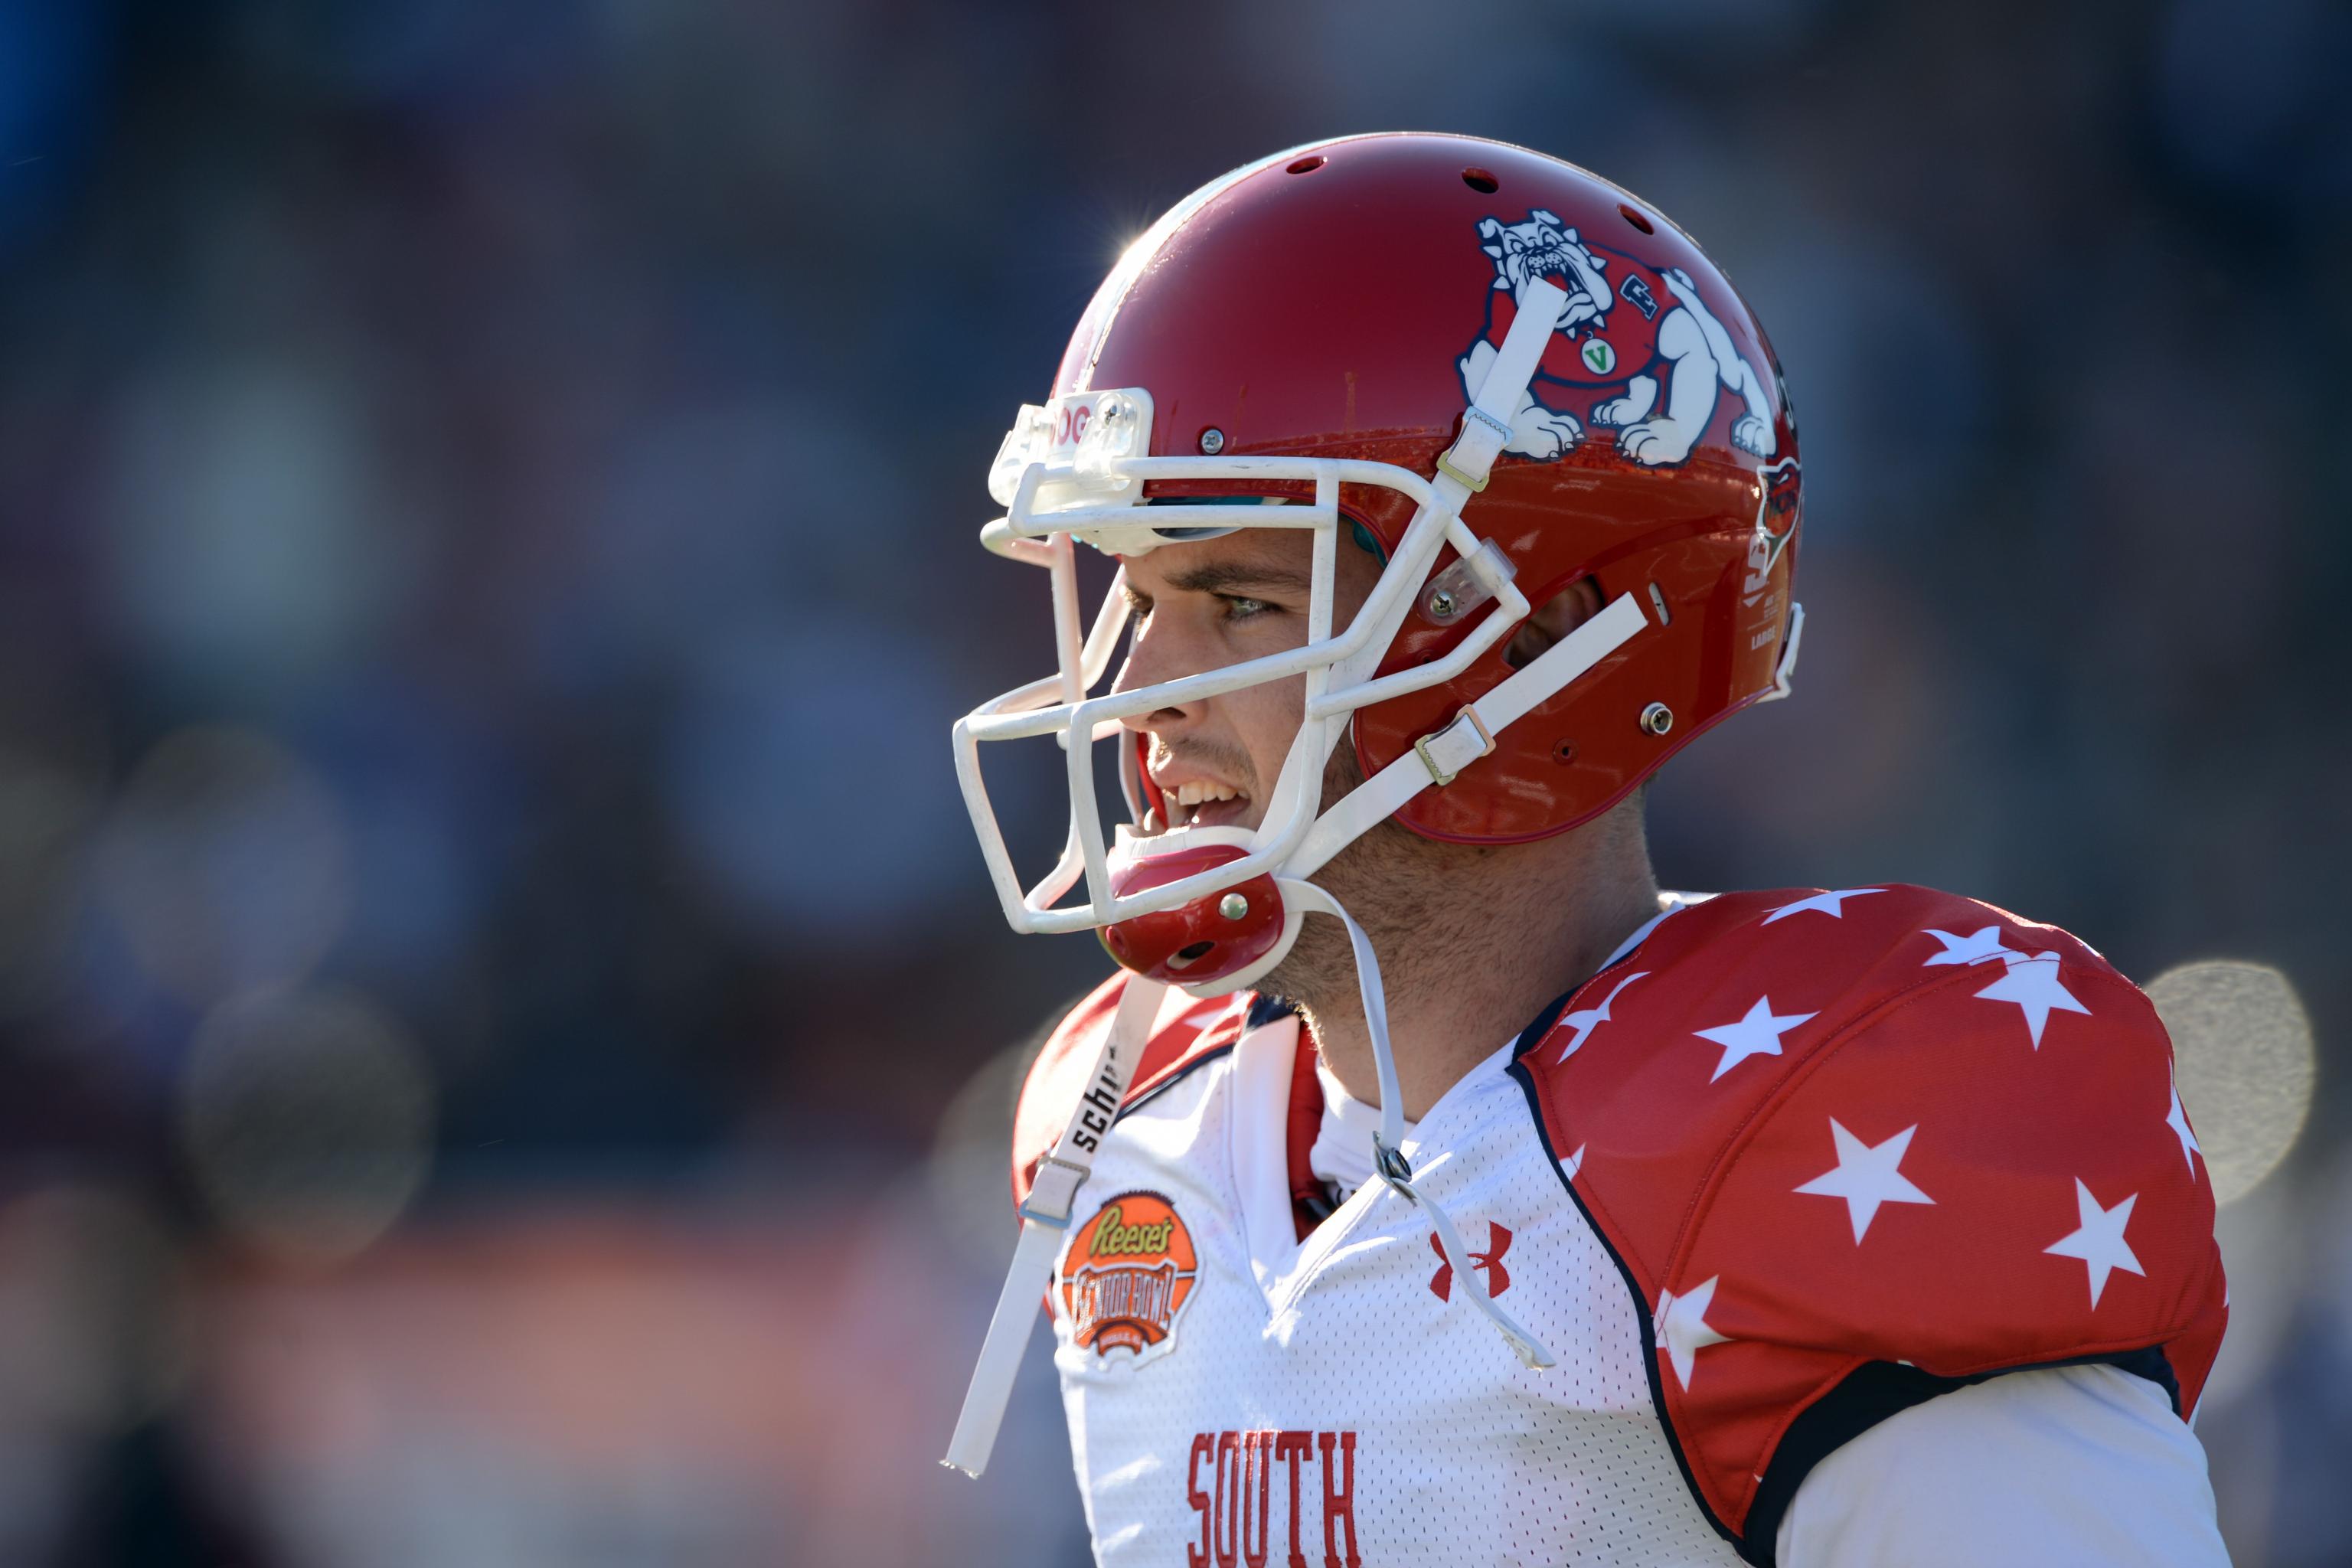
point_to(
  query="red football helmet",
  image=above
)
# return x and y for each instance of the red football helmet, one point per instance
(1501, 373)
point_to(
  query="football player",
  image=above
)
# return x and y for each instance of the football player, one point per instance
(1427, 1187)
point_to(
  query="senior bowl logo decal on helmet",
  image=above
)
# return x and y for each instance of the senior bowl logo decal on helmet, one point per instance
(1626, 330)
(1128, 1274)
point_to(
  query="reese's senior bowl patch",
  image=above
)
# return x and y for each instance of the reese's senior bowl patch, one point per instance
(1128, 1272)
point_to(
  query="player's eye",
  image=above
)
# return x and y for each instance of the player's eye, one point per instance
(1240, 608)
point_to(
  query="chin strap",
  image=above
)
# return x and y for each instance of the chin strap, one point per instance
(1044, 1219)
(1387, 1157)
(1437, 759)
(1487, 422)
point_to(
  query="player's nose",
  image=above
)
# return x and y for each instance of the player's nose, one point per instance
(1157, 654)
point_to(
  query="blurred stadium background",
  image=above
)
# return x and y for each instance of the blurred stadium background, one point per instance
(503, 1030)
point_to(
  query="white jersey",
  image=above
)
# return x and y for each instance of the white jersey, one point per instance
(1248, 1427)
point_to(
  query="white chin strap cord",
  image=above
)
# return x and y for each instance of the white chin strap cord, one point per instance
(1388, 1158)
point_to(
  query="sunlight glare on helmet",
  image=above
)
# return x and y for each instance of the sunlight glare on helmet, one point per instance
(1131, 255)
(2244, 1065)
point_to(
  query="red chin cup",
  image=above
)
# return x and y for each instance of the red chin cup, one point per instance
(1202, 940)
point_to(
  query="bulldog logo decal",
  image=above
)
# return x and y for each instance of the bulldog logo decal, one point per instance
(1627, 334)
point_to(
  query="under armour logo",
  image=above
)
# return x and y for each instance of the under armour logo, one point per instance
(1498, 1279)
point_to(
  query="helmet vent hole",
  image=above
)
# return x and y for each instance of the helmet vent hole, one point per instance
(1307, 165)
(1186, 957)
(1480, 181)
(1636, 218)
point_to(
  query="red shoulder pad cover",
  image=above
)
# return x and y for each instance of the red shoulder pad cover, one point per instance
(1185, 1031)
(1822, 1130)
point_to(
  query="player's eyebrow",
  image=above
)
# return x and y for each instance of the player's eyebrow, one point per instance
(1226, 576)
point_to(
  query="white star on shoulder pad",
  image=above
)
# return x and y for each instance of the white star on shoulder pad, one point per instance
(1824, 903)
(1757, 1035)
(1573, 1163)
(1592, 1018)
(1866, 1176)
(1974, 948)
(2033, 984)
(2178, 1120)
(1681, 1327)
(2099, 1241)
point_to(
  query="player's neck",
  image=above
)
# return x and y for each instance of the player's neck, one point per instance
(1487, 953)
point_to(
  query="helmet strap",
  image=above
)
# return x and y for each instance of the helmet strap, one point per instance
(1438, 758)
(1044, 1220)
(1388, 1153)
(1486, 424)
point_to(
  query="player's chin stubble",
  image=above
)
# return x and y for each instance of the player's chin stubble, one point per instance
(1395, 883)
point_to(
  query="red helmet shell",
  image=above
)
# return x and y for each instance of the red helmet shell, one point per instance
(1332, 302)
(1195, 942)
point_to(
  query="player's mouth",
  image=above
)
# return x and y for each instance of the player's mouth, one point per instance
(1199, 803)
(1207, 804)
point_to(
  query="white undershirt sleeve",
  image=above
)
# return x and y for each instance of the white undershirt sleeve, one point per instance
(2058, 1466)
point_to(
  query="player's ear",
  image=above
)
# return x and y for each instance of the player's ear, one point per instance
(1548, 623)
